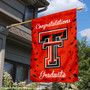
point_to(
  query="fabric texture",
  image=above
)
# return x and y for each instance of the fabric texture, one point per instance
(54, 48)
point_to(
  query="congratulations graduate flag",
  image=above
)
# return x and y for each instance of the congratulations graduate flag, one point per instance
(54, 48)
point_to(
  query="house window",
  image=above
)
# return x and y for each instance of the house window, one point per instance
(28, 81)
(8, 67)
(18, 71)
(28, 15)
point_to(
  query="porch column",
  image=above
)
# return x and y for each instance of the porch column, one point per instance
(3, 34)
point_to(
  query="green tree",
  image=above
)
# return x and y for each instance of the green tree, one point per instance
(84, 64)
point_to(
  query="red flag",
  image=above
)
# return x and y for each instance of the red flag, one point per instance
(54, 50)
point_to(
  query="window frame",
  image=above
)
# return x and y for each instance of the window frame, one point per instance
(23, 19)
(15, 66)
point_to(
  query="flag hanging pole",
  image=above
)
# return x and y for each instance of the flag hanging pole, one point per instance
(18, 24)
(31, 20)
(80, 8)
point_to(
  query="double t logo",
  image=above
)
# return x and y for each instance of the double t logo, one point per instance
(52, 40)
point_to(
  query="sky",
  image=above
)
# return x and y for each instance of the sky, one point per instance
(83, 16)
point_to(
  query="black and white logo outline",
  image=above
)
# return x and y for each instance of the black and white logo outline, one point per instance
(55, 46)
